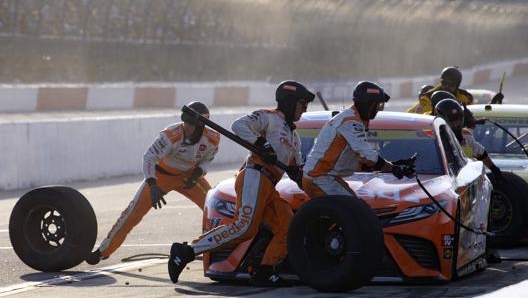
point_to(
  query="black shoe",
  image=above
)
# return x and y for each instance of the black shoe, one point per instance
(265, 276)
(180, 255)
(94, 257)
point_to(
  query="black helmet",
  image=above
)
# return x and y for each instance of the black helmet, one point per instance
(367, 96)
(452, 112)
(452, 74)
(292, 90)
(287, 95)
(438, 95)
(198, 107)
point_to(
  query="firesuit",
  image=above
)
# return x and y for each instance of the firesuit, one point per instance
(341, 146)
(450, 80)
(453, 113)
(170, 159)
(423, 106)
(257, 198)
(471, 147)
(340, 149)
(273, 133)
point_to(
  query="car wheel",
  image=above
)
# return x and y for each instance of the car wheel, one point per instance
(335, 243)
(52, 228)
(507, 209)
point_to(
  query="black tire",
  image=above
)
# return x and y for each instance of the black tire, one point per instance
(52, 228)
(508, 209)
(335, 243)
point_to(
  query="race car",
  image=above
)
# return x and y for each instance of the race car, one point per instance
(433, 227)
(503, 130)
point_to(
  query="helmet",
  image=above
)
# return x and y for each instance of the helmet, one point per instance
(438, 96)
(452, 74)
(425, 88)
(198, 107)
(287, 95)
(292, 90)
(452, 112)
(199, 127)
(367, 96)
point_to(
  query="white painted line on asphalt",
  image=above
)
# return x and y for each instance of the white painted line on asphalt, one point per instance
(124, 245)
(28, 286)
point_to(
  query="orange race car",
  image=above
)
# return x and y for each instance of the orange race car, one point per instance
(431, 228)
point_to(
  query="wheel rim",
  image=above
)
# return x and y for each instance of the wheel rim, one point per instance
(501, 212)
(324, 243)
(45, 228)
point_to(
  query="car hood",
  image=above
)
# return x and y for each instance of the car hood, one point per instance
(381, 190)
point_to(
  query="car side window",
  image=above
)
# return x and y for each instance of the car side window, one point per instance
(453, 150)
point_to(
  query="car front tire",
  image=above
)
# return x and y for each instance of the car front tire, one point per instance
(335, 243)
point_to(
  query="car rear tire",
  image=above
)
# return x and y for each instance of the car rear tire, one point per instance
(52, 228)
(335, 243)
(508, 207)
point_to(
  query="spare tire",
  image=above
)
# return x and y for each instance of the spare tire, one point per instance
(52, 228)
(508, 210)
(335, 243)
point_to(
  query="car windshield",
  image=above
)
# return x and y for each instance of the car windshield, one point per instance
(393, 145)
(496, 140)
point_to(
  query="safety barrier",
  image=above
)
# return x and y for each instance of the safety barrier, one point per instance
(58, 151)
(39, 98)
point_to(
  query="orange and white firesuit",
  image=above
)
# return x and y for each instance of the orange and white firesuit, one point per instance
(170, 159)
(257, 199)
(472, 148)
(340, 148)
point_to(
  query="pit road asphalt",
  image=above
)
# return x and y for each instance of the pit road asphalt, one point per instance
(139, 267)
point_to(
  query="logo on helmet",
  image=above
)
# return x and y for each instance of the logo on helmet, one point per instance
(289, 87)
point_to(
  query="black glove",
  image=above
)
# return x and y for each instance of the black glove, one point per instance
(497, 98)
(406, 161)
(401, 171)
(193, 178)
(295, 173)
(499, 179)
(267, 153)
(156, 195)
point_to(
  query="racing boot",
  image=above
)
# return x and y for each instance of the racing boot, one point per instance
(265, 276)
(94, 257)
(180, 255)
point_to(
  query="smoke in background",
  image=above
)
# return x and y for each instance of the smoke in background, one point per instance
(87, 41)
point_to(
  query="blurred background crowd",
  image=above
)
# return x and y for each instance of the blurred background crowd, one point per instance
(88, 41)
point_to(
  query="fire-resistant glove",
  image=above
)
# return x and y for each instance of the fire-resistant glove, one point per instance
(266, 151)
(406, 167)
(497, 98)
(191, 181)
(401, 171)
(295, 173)
(156, 195)
(499, 179)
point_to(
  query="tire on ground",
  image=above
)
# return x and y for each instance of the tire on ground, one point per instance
(52, 228)
(509, 207)
(335, 243)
